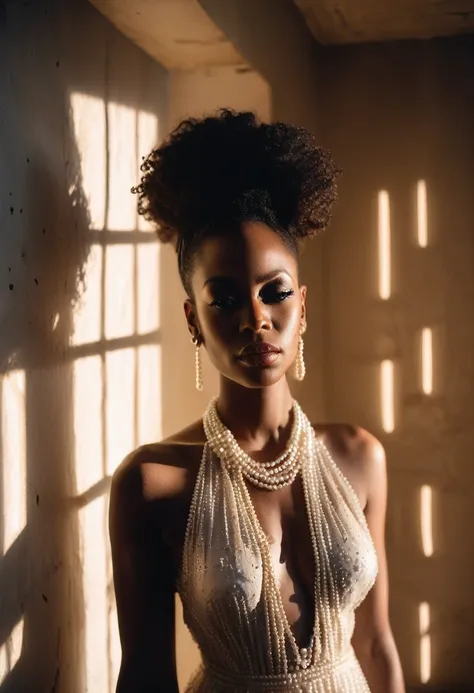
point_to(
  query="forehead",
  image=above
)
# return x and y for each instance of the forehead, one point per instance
(253, 250)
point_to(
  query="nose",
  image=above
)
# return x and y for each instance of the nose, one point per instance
(255, 316)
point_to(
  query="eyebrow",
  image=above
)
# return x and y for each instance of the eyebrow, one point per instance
(260, 279)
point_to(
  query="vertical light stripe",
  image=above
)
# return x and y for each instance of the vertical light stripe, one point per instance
(425, 642)
(422, 214)
(385, 287)
(387, 395)
(426, 516)
(427, 360)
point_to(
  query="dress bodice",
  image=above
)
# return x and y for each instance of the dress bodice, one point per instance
(230, 603)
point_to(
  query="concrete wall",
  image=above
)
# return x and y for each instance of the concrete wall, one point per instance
(273, 37)
(73, 92)
(395, 115)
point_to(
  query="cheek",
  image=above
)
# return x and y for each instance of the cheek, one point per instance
(288, 319)
(217, 328)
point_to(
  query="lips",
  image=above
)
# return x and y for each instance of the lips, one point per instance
(259, 348)
(259, 355)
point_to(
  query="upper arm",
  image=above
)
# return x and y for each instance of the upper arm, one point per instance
(372, 623)
(144, 588)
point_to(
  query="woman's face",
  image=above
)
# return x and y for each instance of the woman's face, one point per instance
(248, 307)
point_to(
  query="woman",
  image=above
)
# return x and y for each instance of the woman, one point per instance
(270, 528)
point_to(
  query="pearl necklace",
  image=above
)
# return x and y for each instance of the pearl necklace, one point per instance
(270, 475)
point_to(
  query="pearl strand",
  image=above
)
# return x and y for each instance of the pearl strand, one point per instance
(270, 475)
(265, 475)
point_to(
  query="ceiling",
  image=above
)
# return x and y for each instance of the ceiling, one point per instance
(361, 21)
(178, 33)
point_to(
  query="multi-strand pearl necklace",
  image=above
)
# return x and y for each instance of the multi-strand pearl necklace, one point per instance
(271, 476)
(268, 475)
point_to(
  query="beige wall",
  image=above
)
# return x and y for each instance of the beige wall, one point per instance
(76, 97)
(272, 36)
(394, 115)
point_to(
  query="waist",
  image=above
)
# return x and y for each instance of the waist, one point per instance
(279, 683)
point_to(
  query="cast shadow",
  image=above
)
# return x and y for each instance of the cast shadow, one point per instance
(40, 573)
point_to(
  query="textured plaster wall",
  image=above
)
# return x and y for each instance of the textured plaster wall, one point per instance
(272, 36)
(393, 115)
(51, 640)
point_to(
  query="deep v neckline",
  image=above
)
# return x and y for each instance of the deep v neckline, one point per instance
(304, 651)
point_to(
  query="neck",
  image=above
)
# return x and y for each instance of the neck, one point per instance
(259, 418)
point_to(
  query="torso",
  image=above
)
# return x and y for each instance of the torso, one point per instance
(170, 474)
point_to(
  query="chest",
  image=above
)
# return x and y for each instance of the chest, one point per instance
(283, 518)
(306, 539)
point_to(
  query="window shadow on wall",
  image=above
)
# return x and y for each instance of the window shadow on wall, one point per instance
(79, 335)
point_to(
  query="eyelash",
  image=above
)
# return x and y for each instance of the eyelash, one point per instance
(280, 297)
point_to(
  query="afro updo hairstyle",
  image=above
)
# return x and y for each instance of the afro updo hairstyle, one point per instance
(214, 173)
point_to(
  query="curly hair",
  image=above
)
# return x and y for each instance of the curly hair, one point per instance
(214, 173)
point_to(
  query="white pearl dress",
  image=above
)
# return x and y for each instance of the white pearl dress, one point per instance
(231, 600)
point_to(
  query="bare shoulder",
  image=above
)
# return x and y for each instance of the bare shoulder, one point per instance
(357, 452)
(160, 472)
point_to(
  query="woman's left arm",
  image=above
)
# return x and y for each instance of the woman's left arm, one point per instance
(373, 640)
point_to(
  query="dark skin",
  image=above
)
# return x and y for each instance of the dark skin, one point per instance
(245, 289)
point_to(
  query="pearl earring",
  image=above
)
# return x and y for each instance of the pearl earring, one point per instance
(197, 363)
(300, 366)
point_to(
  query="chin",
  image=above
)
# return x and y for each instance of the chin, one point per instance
(258, 378)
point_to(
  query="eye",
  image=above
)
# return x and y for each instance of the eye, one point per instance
(274, 294)
(224, 303)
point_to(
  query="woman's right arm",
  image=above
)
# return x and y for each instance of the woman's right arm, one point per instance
(144, 588)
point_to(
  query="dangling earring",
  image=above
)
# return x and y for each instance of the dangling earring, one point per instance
(300, 366)
(197, 363)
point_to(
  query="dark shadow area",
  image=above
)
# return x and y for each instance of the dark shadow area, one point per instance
(40, 571)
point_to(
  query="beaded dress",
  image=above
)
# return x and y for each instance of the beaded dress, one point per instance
(231, 601)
